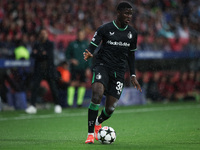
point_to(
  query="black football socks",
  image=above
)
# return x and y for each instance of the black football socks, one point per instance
(92, 115)
(104, 116)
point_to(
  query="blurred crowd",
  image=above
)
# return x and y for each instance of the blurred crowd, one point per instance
(168, 25)
(165, 86)
(162, 25)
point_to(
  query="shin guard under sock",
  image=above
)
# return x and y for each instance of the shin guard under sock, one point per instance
(92, 115)
(104, 116)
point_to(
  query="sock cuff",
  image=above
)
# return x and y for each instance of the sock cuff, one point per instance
(104, 111)
(93, 106)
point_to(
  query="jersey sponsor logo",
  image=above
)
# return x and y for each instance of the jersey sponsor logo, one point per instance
(130, 35)
(112, 33)
(98, 76)
(118, 43)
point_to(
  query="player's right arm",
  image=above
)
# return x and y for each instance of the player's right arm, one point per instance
(97, 38)
(87, 55)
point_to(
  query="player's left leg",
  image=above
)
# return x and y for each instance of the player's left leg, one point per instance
(115, 87)
(111, 103)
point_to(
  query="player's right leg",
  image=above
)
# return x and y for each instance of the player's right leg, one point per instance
(97, 94)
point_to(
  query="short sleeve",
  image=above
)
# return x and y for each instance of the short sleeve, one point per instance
(98, 36)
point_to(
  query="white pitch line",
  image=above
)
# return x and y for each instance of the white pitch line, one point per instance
(133, 110)
(157, 109)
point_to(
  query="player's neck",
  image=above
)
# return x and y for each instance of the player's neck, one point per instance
(119, 24)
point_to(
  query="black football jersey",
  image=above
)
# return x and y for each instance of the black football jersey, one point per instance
(115, 45)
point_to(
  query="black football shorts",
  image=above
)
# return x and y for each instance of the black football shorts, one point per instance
(112, 81)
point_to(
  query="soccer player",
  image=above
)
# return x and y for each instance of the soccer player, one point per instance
(118, 44)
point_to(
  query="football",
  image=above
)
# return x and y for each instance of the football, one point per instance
(106, 135)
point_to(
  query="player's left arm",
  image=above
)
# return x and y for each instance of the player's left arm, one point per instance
(131, 63)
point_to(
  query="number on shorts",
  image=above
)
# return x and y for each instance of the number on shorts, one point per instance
(119, 87)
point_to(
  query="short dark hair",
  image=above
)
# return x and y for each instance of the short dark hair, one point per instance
(123, 5)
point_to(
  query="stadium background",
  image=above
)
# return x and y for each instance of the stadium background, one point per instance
(168, 41)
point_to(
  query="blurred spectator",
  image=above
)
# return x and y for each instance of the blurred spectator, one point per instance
(79, 68)
(153, 92)
(176, 45)
(180, 87)
(163, 25)
(4, 80)
(17, 96)
(44, 69)
(146, 44)
(162, 86)
(169, 89)
(21, 18)
(192, 44)
(63, 82)
(21, 52)
(197, 86)
(65, 75)
(161, 43)
(190, 86)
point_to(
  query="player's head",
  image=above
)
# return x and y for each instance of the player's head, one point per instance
(124, 13)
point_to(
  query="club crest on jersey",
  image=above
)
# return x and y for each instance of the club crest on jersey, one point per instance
(130, 35)
(112, 33)
(98, 76)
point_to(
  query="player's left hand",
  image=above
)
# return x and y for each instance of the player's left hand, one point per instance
(135, 83)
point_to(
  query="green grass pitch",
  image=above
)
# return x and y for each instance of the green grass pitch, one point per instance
(173, 126)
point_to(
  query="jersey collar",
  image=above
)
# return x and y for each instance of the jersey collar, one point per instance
(121, 29)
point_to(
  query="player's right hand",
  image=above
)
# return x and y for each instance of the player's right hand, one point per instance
(87, 55)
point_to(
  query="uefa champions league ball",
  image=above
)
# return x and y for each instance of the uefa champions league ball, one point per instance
(106, 135)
